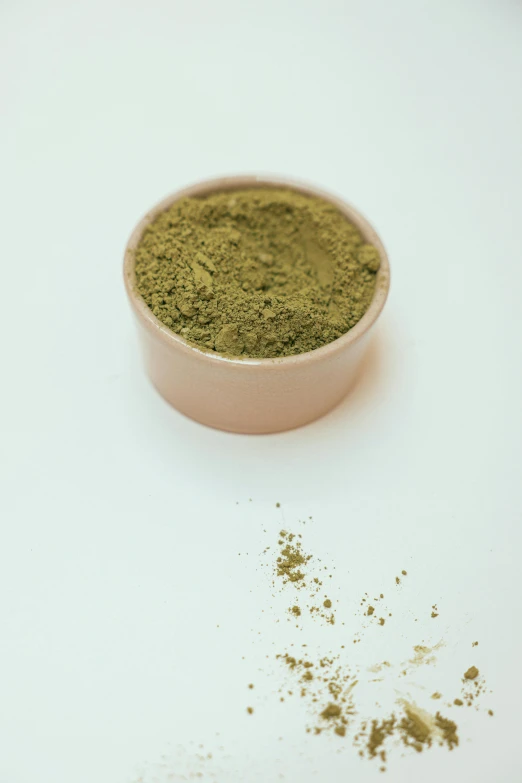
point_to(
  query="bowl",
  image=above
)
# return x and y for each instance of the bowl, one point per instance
(252, 395)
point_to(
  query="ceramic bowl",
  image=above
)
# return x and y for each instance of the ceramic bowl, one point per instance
(252, 395)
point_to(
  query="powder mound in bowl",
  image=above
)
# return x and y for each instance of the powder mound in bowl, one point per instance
(258, 273)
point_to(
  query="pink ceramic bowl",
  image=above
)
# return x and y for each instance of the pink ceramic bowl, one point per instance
(252, 395)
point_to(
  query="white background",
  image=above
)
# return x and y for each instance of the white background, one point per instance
(121, 521)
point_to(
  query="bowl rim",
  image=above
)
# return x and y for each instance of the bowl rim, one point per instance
(243, 181)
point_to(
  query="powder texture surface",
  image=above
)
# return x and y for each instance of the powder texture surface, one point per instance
(256, 273)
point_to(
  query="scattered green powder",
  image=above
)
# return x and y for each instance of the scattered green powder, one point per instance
(331, 711)
(291, 559)
(333, 716)
(448, 729)
(328, 681)
(425, 655)
(291, 565)
(378, 734)
(262, 272)
(415, 729)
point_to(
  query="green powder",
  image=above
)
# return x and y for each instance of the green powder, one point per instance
(289, 562)
(378, 734)
(256, 273)
(331, 711)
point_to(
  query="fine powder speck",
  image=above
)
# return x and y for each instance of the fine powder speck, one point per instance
(257, 273)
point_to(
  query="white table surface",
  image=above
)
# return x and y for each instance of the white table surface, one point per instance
(130, 626)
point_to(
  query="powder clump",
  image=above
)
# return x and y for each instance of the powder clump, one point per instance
(290, 560)
(261, 273)
(378, 734)
(415, 729)
(448, 730)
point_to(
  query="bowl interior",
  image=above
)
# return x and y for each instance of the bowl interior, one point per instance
(255, 181)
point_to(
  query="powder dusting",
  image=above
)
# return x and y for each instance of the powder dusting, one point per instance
(292, 567)
(326, 684)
